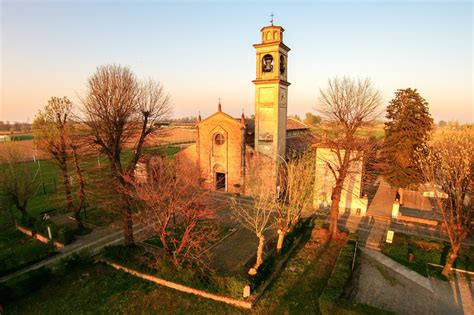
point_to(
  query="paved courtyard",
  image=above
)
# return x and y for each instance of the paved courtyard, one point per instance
(382, 287)
(232, 253)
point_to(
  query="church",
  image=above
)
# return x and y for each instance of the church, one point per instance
(228, 150)
(226, 147)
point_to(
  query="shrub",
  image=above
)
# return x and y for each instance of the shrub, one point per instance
(427, 245)
(76, 259)
(232, 286)
(337, 281)
(66, 235)
(122, 253)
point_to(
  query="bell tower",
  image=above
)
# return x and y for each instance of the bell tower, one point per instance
(271, 93)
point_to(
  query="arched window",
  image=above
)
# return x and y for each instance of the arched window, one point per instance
(267, 63)
(219, 139)
(269, 35)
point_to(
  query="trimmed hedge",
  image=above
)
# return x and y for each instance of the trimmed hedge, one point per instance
(339, 278)
(62, 234)
(66, 235)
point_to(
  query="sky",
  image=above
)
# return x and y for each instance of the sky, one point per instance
(202, 50)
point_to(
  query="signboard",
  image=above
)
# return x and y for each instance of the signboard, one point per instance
(390, 235)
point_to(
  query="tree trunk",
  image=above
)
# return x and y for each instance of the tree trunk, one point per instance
(11, 215)
(281, 239)
(261, 243)
(66, 185)
(116, 169)
(82, 194)
(451, 259)
(127, 221)
(21, 207)
(335, 199)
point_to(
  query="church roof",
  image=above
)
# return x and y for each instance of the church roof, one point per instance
(300, 143)
(295, 124)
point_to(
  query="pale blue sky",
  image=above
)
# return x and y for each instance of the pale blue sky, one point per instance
(202, 50)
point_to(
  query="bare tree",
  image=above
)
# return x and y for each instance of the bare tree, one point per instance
(119, 110)
(16, 180)
(261, 216)
(54, 134)
(173, 208)
(346, 105)
(297, 195)
(448, 165)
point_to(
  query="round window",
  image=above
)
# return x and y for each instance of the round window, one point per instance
(219, 139)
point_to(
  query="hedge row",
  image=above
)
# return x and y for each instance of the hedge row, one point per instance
(65, 235)
(339, 278)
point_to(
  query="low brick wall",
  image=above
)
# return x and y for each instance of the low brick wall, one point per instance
(183, 288)
(417, 220)
(38, 236)
(24, 230)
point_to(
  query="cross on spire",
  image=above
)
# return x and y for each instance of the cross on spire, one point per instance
(271, 18)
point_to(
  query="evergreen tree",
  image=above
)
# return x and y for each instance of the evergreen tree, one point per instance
(407, 129)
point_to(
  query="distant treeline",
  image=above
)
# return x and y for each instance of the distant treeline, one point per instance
(15, 127)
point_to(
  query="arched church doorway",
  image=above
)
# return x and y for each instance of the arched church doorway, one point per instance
(219, 177)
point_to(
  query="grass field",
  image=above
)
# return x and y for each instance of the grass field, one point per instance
(101, 289)
(375, 132)
(20, 251)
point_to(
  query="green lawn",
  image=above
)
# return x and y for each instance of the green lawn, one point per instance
(425, 251)
(97, 288)
(18, 250)
(299, 286)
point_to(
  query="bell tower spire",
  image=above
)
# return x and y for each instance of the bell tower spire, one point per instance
(271, 93)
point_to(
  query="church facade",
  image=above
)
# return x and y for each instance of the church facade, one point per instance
(226, 148)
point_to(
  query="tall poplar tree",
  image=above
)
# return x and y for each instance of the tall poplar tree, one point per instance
(406, 131)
